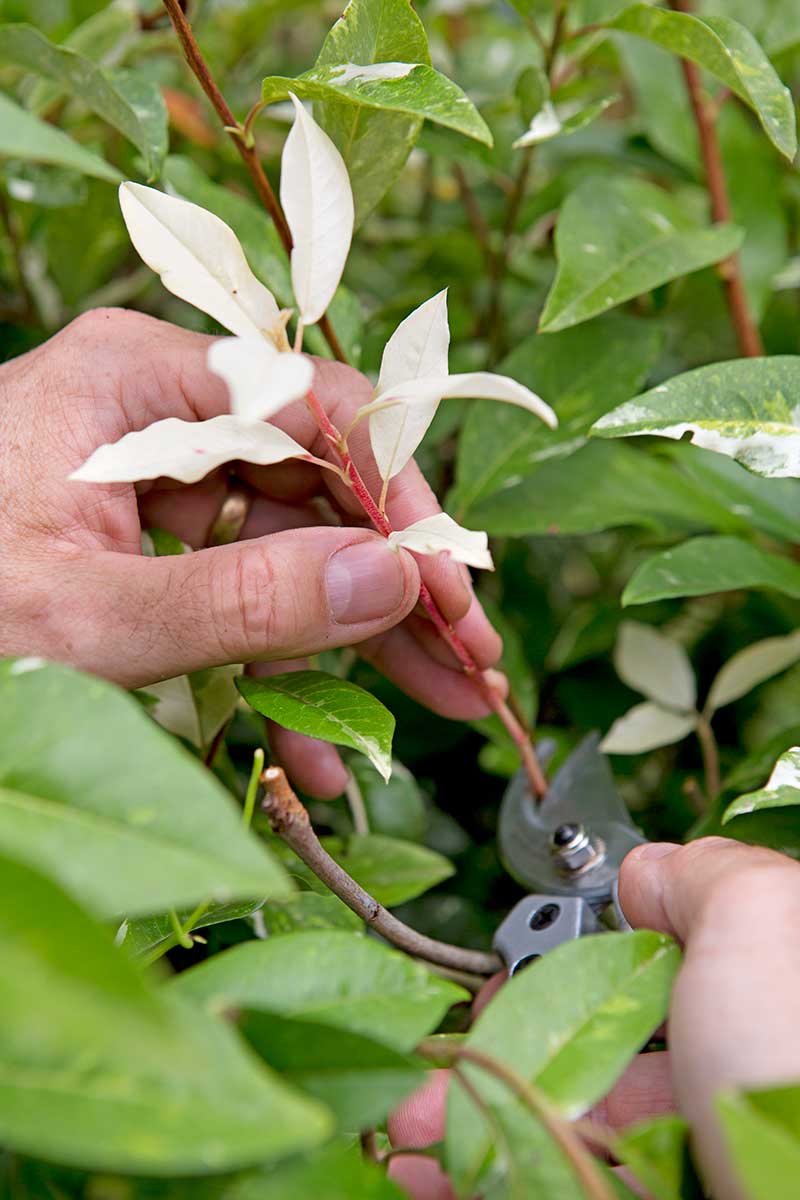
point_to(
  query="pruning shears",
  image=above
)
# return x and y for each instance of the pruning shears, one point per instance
(568, 848)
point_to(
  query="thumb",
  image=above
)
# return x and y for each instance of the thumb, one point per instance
(283, 596)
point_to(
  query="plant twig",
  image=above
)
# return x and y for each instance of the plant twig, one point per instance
(583, 1164)
(10, 226)
(500, 261)
(291, 822)
(252, 788)
(355, 801)
(242, 140)
(493, 699)
(710, 753)
(474, 214)
(730, 271)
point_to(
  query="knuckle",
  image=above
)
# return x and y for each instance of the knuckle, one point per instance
(244, 607)
(99, 325)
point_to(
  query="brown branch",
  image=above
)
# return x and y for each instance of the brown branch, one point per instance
(291, 822)
(730, 271)
(710, 753)
(477, 221)
(583, 1164)
(241, 141)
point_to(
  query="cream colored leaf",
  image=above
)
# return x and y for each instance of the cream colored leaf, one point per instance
(260, 379)
(546, 124)
(198, 258)
(440, 534)
(655, 665)
(412, 393)
(187, 450)
(751, 666)
(318, 203)
(418, 348)
(646, 727)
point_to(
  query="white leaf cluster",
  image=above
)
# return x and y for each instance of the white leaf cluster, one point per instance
(659, 668)
(199, 258)
(415, 377)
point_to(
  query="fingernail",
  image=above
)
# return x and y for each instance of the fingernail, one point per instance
(365, 582)
(653, 850)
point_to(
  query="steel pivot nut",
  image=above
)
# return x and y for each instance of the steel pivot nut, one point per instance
(574, 849)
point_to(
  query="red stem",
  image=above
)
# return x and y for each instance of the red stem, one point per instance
(443, 627)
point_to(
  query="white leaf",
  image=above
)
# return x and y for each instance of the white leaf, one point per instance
(418, 348)
(440, 534)
(646, 727)
(429, 391)
(318, 203)
(260, 378)
(198, 258)
(752, 666)
(655, 665)
(546, 124)
(187, 450)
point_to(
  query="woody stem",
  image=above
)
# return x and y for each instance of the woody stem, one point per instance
(492, 697)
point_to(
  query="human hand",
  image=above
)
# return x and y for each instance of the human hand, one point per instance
(735, 909)
(75, 586)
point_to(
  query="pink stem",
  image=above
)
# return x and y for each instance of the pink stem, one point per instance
(443, 627)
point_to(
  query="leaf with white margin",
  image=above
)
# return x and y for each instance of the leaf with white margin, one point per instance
(261, 379)
(440, 534)
(747, 409)
(655, 665)
(646, 727)
(417, 349)
(782, 789)
(187, 450)
(198, 258)
(549, 123)
(751, 666)
(318, 203)
(478, 385)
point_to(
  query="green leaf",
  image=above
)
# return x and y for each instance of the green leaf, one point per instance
(100, 37)
(581, 372)
(782, 789)
(196, 706)
(770, 505)
(24, 136)
(394, 809)
(358, 1079)
(254, 229)
(730, 52)
(657, 1153)
(752, 666)
(746, 409)
(627, 489)
(133, 105)
(308, 911)
(337, 1172)
(612, 991)
(100, 1070)
(145, 100)
(645, 239)
(762, 1136)
(391, 870)
(374, 143)
(710, 564)
(414, 89)
(333, 977)
(93, 792)
(141, 935)
(326, 707)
